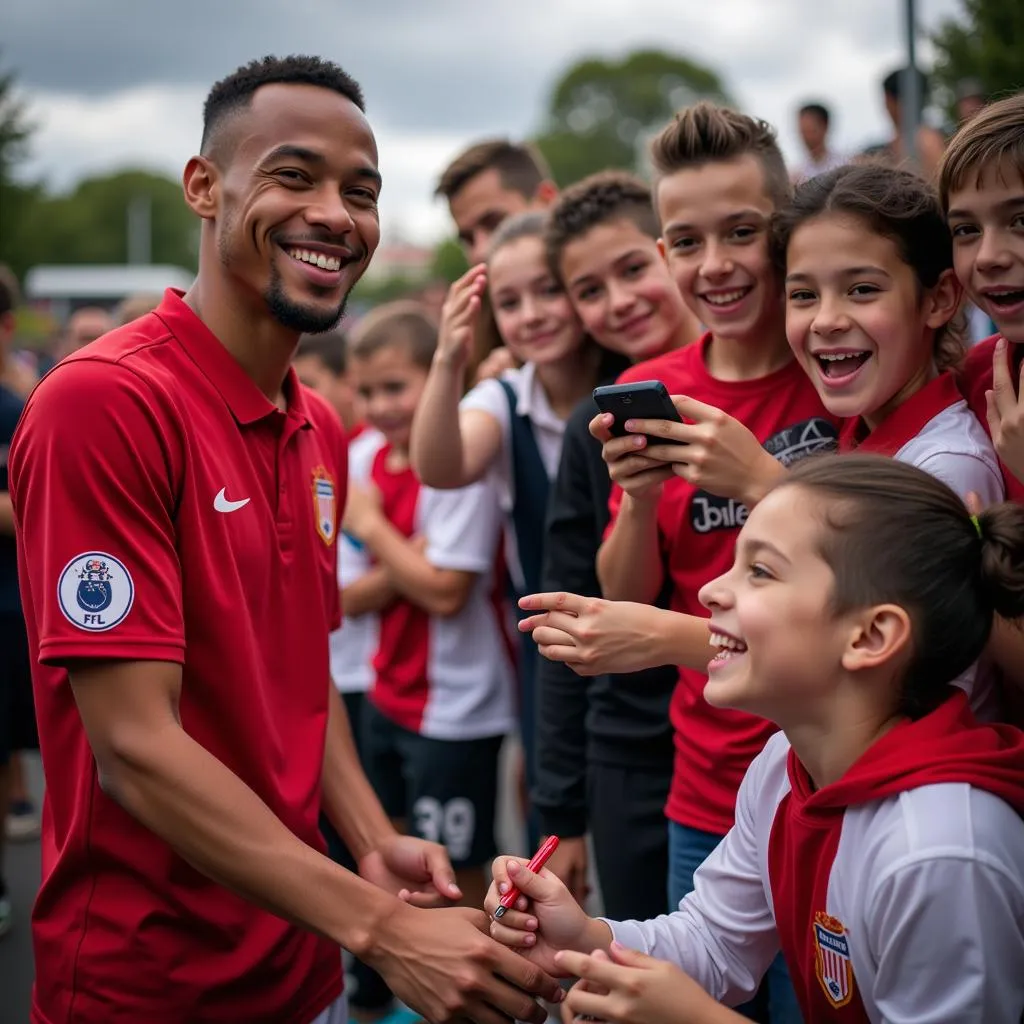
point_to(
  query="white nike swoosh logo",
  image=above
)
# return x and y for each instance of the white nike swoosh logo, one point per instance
(221, 503)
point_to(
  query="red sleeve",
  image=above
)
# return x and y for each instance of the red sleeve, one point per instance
(976, 376)
(95, 466)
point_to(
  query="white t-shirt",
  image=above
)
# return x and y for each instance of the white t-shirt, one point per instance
(355, 642)
(811, 168)
(447, 677)
(928, 883)
(548, 429)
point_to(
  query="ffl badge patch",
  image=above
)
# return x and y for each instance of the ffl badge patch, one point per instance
(95, 591)
(324, 504)
(832, 958)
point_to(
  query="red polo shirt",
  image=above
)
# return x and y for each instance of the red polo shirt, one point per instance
(975, 379)
(167, 511)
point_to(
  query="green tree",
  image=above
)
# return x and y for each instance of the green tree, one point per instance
(90, 224)
(449, 263)
(16, 198)
(602, 112)
(986, 44)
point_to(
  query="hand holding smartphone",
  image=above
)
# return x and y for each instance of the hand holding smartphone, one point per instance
(641, 400)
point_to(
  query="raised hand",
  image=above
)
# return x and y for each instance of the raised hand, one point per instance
(459, 316)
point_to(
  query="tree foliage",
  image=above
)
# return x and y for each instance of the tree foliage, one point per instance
(90, 223)
(985, 44)
(449, 263)
(16, 198)
(602, 112)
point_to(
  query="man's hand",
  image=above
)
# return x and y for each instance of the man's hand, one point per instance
(1005, 412)
(570, 863)
(419, 872)
(714, 451)
(591, 635)
(444, 965)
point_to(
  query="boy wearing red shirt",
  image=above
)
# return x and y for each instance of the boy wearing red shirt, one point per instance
(720, 178)
(981, 184)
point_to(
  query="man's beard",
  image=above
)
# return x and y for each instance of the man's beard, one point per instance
(294, 315)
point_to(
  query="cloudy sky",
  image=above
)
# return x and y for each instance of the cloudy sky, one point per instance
(118, 82)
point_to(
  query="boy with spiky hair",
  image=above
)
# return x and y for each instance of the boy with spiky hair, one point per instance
(720, 178)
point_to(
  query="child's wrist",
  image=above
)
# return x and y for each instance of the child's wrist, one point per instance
(596, 935)
(452, 362)
(769, 472)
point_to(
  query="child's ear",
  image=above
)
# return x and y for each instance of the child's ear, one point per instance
(878, 636)
(944, 300)
(661, 249)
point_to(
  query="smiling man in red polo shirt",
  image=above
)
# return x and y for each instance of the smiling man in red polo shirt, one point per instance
(177, 495)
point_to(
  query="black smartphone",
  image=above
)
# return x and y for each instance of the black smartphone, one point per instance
(643, 400)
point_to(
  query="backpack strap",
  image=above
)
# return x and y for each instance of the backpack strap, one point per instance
(530, 488)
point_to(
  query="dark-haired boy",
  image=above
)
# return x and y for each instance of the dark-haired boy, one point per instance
(484, 185)
(981, 185)
(813, 123)
(604, 750)
(490, 181)
(321, 363)
(179, 619)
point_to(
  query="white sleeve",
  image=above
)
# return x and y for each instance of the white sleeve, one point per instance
(946, 935)
(965, 474)
(489, 396)
(462, 527)
(354, 560)
(723, 934)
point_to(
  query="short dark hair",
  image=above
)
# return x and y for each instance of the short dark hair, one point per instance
(520, 167)
(597, 199)
(892, 84)
(402, 323)
(235, 92)
(10, 293)
(894, 203)
(329, 347)
(818, 110)
(708, 133)
(993, 135)
(894, 533)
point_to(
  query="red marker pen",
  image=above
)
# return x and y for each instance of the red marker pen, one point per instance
(539, 859)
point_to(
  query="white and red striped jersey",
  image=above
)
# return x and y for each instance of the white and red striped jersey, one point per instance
(447, 677)
(896, 893)
(355, 643)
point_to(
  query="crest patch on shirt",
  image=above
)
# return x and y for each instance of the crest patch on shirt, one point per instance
(95, 591)
(833, 965)
(324, 504)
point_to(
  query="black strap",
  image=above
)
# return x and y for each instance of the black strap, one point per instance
(530, 487)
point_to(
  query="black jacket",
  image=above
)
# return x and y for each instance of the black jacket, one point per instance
(616, 720)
